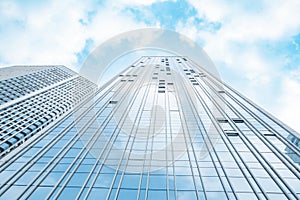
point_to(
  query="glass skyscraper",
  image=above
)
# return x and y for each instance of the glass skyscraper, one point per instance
(164, 128)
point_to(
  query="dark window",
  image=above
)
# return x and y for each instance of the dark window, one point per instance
(238, 120)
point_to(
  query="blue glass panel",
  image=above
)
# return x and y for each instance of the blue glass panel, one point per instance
(212, 184)
(104, 180)
(185, 183)
(98, 193)
(240, 184)
(216, 195)
(40, 193)
(246, 196)
(183, 195)
(26, 178)
(293, 183)
(268, 185)
(13, 192)
(78, 179)
(52, 179)
(157, 182)
(68, 193)
(156, 194)
(125, 194)
(130, 181)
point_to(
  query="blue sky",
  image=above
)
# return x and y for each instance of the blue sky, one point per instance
(254, 44)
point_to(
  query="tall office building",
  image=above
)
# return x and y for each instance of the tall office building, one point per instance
(162, 129)
(33, 97)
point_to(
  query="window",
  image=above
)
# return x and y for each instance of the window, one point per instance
(212, 184)
(268, 133)
(157, 194)
(237, 120)
(240, 184)
(221, 120)
(231, 133)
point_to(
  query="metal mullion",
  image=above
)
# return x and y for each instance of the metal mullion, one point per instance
(27, 166)
(138, 122)
(272, 147)
(81, 116)
(121, 178)
(29, 115)
(173, 160)
(257, 157)
(37, 92)
(25, 137)
(168, 116)
(44, 93)
(265, 124)
(35, 141)
(152, 141)
(105, 148)
(204, 90)
(51, 162)
(172, 148)
(48, 147)
(274, 120)
(136, 131)
(142, 173)
(222, 136)
(174, 171)
(249, 182)
(151, 148)
(66, 150)
(87, 146)
(188, 138)
(95, 165)
(106, 144)
(31, 123)
(263, 158)
(98, 159)
(99, 91)
(123, 171)
(78, 155)
(183, 119)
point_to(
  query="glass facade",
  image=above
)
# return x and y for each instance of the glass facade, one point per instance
(36, 99)
(33, 80)
(162, 129)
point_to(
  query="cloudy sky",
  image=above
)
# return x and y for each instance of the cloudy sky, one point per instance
(254, 44)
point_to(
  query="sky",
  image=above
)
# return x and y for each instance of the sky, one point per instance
(254, 44)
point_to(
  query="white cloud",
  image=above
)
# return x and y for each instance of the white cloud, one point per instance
(52, 33)
(289, 111)
(42, 35)
(109, 21)
(262, 20)
(236, 48)
(138, 2)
